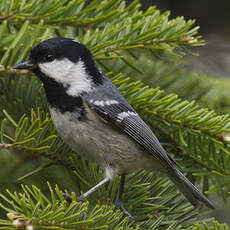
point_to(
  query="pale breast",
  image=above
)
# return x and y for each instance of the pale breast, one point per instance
(94, 139)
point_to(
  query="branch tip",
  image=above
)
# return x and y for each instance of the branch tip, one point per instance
(5, 146)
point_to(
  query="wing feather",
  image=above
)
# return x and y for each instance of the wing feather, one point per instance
(134, 127)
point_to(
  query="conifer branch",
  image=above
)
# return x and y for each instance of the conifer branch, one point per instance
(150, 104)
(148, 30)
(32, 207)
(111, 30)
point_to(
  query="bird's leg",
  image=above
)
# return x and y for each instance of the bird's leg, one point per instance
(84, 195)
(119, 203)
(94, 188)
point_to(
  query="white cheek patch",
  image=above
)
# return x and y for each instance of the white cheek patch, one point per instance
(70, 74)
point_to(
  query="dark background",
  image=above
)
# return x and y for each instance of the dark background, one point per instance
(213, 17)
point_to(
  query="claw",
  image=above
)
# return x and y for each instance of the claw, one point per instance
(67, 197)
(80, 199)
(119, 205)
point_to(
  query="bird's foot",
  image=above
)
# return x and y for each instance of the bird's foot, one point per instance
(197, 207)
(119, 205)
(79, 198)
(67, 197)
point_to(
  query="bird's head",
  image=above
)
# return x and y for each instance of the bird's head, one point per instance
(65, 61)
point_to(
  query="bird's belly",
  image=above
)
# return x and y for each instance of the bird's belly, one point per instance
(101, 143)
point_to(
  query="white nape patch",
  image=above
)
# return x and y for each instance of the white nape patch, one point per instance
(71, 75)
(123, 115)
(103, 103)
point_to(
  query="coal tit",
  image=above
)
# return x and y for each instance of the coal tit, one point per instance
(96, 121)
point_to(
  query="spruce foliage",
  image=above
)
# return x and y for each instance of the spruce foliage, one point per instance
(135, 49)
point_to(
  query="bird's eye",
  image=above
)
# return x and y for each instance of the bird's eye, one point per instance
(49, 57)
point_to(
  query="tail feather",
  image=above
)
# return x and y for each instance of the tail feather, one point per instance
(188, 189)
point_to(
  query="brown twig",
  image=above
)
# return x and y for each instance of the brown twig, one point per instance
(6, 17)
(5, 146)
(15, 71)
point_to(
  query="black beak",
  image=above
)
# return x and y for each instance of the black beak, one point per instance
(25, 65)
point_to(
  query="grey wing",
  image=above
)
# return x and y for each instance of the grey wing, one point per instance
(128, 121)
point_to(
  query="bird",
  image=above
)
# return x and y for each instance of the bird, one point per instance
(97, 122)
